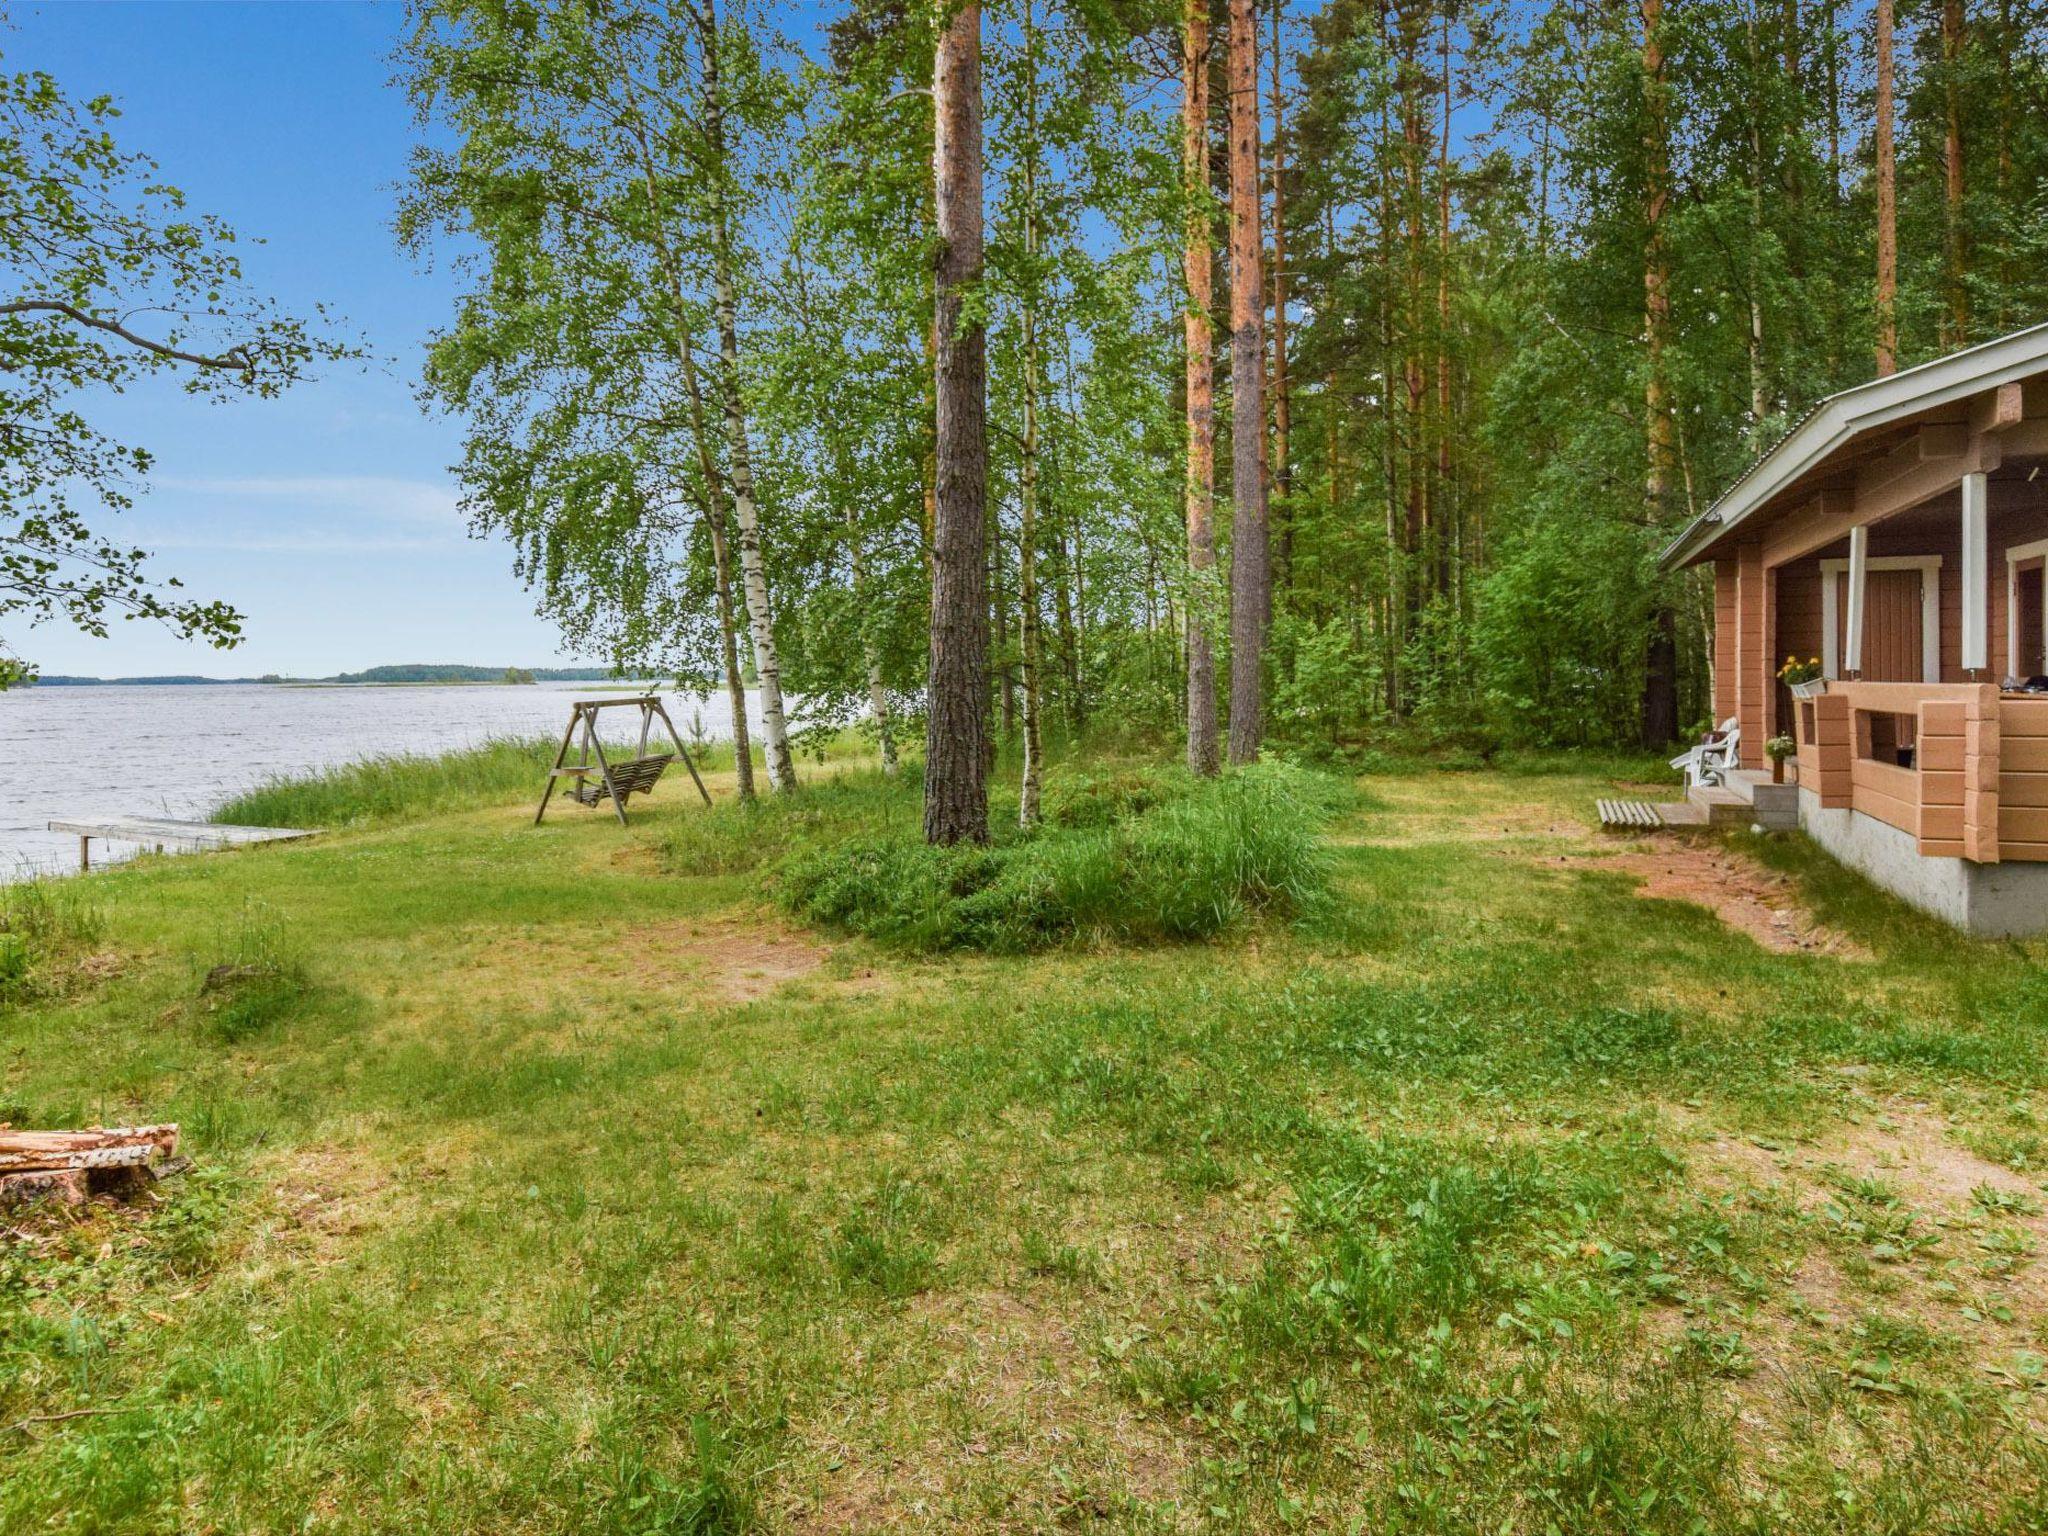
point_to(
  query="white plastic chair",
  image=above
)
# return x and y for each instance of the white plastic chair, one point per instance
(1714, 758)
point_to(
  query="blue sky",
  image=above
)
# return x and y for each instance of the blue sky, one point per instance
(328, 516)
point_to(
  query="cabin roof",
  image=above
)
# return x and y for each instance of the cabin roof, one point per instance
(1836, 421)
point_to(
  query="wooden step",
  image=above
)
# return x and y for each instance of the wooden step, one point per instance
(1629, 815)
(1724, 807)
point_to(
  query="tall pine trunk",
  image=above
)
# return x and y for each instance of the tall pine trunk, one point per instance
(1660, 671)
(1451, 550)
(1197, 264)
(1887, 176)
(1283, 411)
(1027, 492)
(1954, 257)
(1412, 83)
(746, 508)
(1251, 592)
(956, 729)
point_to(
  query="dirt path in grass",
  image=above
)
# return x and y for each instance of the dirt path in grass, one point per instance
(1741, 892)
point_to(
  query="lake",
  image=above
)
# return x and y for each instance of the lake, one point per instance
(181, 750)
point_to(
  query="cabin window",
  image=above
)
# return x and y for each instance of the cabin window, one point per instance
(1806, 724)
(1884, 737)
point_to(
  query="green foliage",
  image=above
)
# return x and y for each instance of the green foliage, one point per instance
(110, 281)
(397, 787)
(1127, 856)
(1327, 683)
(44, 924)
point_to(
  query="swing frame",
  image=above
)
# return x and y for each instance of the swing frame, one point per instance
(583, 712)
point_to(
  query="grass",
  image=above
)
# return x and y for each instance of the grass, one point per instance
(396, 787)
(46, 927)
(574, 1185)
(1134, 855)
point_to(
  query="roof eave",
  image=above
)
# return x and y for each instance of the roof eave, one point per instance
(1841, 416)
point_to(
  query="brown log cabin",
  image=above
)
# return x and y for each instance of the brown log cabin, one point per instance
(1900, 532)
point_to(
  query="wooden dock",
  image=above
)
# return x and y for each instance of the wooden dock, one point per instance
(161, 832)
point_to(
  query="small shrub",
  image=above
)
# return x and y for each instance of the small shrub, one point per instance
(1100, 797)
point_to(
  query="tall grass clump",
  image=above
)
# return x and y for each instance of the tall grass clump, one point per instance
(1139, 854)
(251, 977)
(44, 925)
(398, 787)
(736, 837)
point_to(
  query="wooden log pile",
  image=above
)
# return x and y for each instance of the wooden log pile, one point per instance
(70, 1167)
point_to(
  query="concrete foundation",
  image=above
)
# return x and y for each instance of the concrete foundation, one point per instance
(1992, 901)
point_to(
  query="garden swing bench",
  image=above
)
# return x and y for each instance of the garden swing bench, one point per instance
(635, 775)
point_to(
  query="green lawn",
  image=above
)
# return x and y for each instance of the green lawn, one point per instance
(547, 1187)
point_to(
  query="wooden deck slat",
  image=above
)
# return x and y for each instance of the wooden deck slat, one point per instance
(164, 832)
(175, 834)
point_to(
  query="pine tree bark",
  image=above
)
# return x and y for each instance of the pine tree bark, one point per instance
(1394, 631)
(1759, 387)
(1412, 84)
(955, 781)
(1450, 550)
(1954, 258)
(1283, 412)
(1027, 490)
(1251, 593)
(1887, 178)
(1198, 268)
(746, 508)
(1660, 671)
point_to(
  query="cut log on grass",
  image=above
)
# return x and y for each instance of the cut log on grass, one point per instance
(70, 1167)
(120, 1146)
(62, 1186)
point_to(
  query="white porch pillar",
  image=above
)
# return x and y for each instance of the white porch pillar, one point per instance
(1859, 570)
(1976, 572)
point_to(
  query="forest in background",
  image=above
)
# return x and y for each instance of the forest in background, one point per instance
(1532, 283)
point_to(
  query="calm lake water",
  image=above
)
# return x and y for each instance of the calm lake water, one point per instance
(181, 750)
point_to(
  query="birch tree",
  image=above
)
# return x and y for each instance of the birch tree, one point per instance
(592, 165)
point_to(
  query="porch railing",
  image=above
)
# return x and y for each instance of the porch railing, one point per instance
(1960, 767)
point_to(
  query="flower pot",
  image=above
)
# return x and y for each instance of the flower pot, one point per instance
(1777, 770)
(1812, 688)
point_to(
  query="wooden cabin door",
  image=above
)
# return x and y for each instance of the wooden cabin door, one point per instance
(2032, 660)
(1893, 640)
